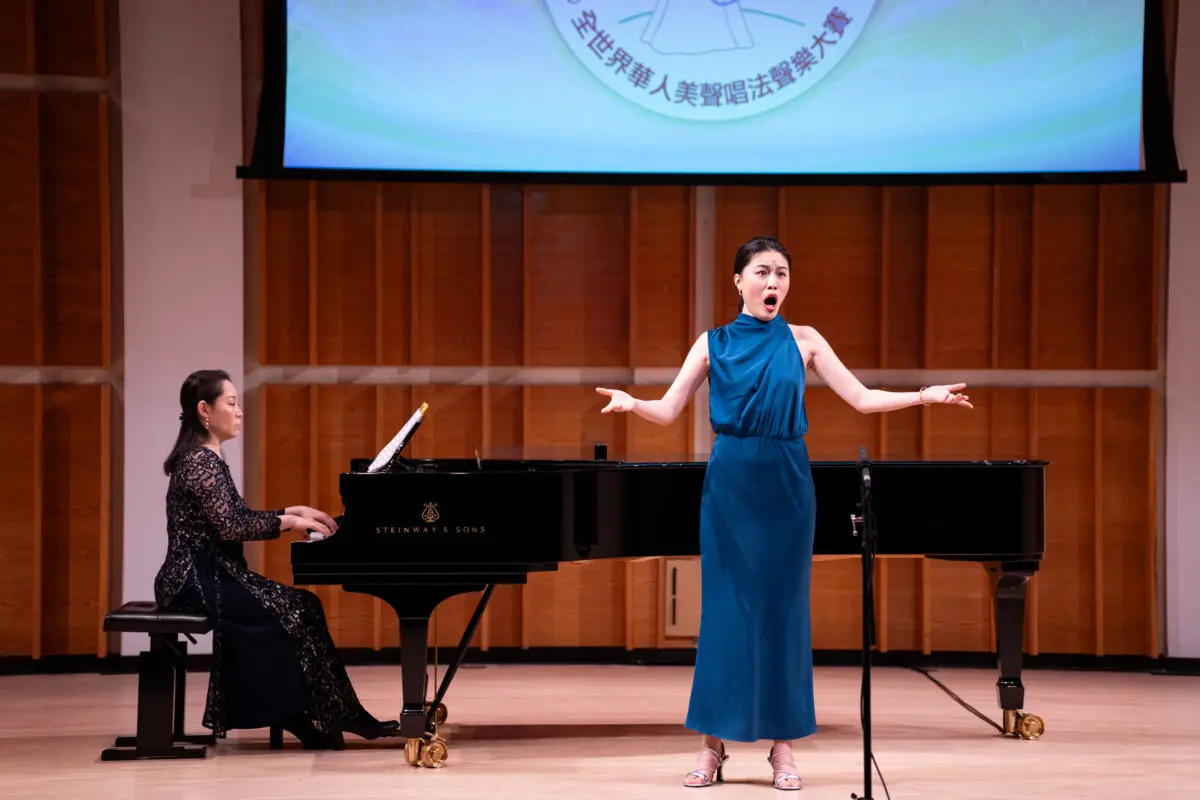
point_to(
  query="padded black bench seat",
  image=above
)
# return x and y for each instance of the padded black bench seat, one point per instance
(162, 683)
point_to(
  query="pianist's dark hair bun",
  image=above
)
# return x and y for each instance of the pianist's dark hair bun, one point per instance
(759, 244)
(203, 385)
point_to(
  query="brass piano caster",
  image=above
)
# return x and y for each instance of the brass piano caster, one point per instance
(1023, 725)
(431, 753)
(439, 717)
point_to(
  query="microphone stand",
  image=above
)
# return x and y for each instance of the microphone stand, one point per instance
(866, 519)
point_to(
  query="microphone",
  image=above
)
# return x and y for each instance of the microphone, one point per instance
(864, 467)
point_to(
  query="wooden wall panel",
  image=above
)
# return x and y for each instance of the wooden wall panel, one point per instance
(902, 282)
(20, 232)
(1127, 547)
(16, 37)
(898, 278)
(20, 539)
(505, 290)
(1064, 258)
(578, 288)
(1127, 291)
(448, 254)
(74, 518)
(833, 235)
(344, 225)
(74, 197)
(1012, 239)
(285, 316)
(56, 287)
(959, 264)
(71, 37)
(394, 234)
(660, 324)
(1066, 583)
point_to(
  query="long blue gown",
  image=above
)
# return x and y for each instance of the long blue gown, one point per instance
(754, 677)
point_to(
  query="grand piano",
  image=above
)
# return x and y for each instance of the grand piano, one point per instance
(421, 530)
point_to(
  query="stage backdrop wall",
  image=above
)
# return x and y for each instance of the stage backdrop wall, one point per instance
(502, 306)
(60, 330)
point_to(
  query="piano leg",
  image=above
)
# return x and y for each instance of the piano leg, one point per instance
(413, 606)
(1010, 584)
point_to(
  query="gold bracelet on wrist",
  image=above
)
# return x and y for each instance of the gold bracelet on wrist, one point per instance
(921, 395)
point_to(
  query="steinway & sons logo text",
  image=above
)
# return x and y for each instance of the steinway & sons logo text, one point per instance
(429, 518)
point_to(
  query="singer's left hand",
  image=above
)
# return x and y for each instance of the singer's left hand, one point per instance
(947, 395)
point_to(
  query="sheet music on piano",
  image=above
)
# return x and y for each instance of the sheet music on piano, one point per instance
(396, 445)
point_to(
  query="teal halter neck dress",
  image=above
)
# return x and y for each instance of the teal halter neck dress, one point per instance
(753, 678)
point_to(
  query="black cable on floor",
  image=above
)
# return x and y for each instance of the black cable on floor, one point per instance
(959, 700)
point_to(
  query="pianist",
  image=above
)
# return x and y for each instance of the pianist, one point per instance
(274, 661)
(754, 677)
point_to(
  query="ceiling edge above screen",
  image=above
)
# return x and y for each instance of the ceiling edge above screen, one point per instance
(1158, 158)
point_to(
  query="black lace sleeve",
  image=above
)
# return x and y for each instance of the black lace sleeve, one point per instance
(205, 476)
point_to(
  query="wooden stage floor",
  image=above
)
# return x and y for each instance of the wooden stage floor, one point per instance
(616, 731)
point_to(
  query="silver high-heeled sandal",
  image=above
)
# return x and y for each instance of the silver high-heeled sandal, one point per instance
(712, 775)
(776, 760)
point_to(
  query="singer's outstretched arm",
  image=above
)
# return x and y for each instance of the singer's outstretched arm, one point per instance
(829, 367)
(665, 410)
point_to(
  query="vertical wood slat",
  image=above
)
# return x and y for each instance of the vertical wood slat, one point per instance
(994, 362)
(885, 229)
(105, 228)
(39, 259)
(105, 517)
(380, 436)
(1098, 430)
(380, 433)
(98, 8)
(1157, 254)
(261, 321)
(39, 545)
(485, 241)
(526, 339)
(1031, 605)
(693, 312)
(314, 311)
(633, 263)
(926, 433)
(31, 53)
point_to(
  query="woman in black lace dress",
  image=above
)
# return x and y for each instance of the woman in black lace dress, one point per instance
(274, 662)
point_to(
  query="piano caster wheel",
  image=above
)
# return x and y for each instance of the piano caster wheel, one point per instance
(1023, 725)
(439, 717)
(422, 753)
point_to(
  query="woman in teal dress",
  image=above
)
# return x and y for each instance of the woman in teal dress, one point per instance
(754, 673)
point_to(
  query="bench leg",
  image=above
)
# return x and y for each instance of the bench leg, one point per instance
(161, 686)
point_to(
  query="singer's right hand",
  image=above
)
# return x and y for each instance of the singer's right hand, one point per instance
(620, 400)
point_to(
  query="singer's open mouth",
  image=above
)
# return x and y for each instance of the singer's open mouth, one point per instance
(771, 301)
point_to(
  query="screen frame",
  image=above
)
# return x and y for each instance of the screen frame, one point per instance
(1160, 160)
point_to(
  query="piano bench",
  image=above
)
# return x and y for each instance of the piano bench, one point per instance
(162, 683)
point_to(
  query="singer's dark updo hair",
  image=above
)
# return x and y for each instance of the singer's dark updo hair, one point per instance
(759, 244)
(206, 385)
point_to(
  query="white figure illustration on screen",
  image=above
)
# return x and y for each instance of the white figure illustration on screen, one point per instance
(692, 27)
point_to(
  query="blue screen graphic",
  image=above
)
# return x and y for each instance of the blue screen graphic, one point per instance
(715, 86)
